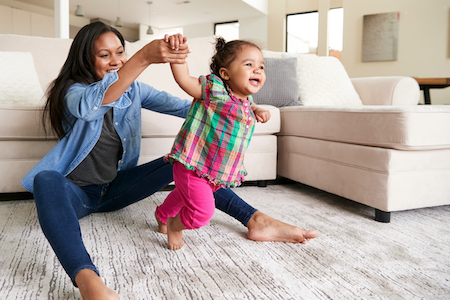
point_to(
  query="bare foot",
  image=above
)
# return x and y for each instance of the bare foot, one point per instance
(91, 286)
(162, 228)
(175, 233)
(261, 227)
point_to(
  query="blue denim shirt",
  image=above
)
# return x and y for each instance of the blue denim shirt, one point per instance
(86, 117)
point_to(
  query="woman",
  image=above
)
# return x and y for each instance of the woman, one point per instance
(94, 106)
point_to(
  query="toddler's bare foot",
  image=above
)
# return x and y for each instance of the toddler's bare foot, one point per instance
(261, 227)
(175, 233)
(92, 287)
(162, 228)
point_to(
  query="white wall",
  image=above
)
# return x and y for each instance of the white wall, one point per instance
(276, 25)
(261, 5)
(17, 21)
(26, 19)
(423, 45)
(198, 30)
(254, 29)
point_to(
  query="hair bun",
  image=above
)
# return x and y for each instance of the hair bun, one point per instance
(220, 43)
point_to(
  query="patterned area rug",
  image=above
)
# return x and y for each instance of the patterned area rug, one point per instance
(354, 257)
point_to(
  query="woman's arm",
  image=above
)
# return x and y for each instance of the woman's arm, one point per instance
(158, 51)
(162, 102)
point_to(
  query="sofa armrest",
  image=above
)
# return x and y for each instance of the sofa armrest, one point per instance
(387, 90)
(273, 125)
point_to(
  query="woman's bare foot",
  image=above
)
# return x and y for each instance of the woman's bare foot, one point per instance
(91, 286)
(261, 227)
(162, 228)
(175, 232)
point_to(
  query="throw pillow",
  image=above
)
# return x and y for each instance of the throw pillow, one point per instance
(281, 86)
(323, 81)
(19, 82)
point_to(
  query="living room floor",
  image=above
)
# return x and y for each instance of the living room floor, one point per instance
(353, 257)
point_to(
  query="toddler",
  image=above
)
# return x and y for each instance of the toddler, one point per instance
(208, 152)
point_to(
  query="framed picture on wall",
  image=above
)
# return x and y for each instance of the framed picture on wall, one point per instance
(380, 37)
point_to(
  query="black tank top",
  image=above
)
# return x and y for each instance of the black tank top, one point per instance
(100, 166)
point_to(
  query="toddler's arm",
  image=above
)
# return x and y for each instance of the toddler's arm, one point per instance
(189, 84)
(262, 115)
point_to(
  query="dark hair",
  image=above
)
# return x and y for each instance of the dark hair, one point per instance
(77, 68)
(226, 53)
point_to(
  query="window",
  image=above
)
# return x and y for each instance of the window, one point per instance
(302, 32)
(335, 32)
(229, 30)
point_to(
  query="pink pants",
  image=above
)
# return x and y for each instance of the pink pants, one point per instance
(192, 199)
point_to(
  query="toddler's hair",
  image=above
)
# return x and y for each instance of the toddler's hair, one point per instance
(226, 53)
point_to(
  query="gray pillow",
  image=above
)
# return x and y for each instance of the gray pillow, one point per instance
(281, 86)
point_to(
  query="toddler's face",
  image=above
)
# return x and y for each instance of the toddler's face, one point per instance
(245, 75)
(109, 55)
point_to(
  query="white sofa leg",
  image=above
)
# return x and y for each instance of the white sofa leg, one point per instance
(382, 216)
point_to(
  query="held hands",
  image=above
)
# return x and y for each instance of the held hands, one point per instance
(171, 49)
(174, 51)
(175, 41)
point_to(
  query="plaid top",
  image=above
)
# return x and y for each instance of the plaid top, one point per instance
(216, 134)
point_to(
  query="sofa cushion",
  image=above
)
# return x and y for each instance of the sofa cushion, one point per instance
(386, 179)
(22, 123)
(398, 127)
(387, 90)
(260, 157)
(321, 80)
(324, 81)
(49, 53)
(281, 86)
(156, 125)
(19, 83)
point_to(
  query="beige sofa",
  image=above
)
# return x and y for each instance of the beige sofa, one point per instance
(364, 139)
(386, 152)
(23, 141)
(390, 158)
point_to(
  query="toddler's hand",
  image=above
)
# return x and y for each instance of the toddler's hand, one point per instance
(262, 115)
(175, 40)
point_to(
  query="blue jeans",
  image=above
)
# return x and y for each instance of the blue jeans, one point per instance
(60, 204)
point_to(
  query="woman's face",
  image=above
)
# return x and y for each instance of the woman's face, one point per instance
(109, 55)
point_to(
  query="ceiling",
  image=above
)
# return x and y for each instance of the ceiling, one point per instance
(161, 13)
